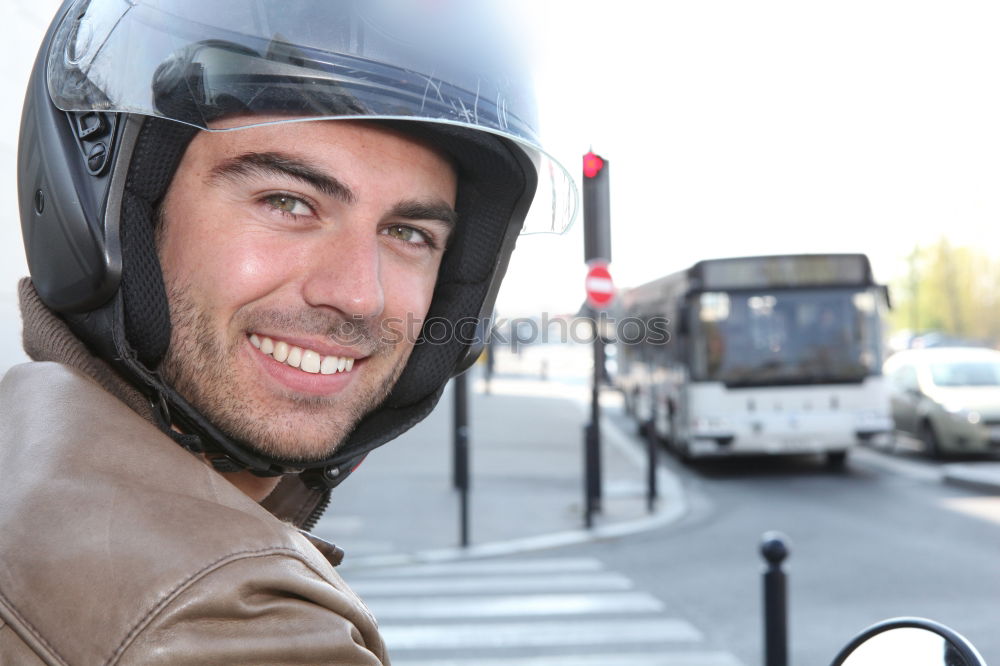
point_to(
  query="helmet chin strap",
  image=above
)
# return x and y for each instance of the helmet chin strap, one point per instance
(218, 449)
(186, 426)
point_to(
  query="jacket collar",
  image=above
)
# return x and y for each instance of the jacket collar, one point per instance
(46, 337)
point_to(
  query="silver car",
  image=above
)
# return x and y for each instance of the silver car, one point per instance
(948, 397)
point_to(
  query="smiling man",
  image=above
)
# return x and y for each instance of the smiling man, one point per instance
(239, 216)
(289, 255)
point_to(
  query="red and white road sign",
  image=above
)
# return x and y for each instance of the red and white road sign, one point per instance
(600, 288)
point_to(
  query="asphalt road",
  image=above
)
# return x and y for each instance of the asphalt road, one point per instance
(881, 539)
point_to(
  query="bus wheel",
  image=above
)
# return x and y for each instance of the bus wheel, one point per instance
(836, 459)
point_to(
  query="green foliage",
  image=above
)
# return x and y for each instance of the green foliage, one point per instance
(955, 290)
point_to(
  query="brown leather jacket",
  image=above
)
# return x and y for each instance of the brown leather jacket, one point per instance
(119, 547)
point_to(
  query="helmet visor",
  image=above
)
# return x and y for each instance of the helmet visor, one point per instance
(457, 62)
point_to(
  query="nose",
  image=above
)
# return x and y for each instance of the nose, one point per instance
(344, 273)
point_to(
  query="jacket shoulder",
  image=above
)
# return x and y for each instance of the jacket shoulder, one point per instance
(257, 608)
(108, 524)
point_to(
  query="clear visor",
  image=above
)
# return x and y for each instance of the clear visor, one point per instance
(248, 61)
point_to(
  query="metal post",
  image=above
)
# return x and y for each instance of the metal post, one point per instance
(588, 481)
(461, 457)
(595, 417)
(652, 455)
(774, 549)
(456, 452)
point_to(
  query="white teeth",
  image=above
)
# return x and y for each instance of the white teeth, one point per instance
(306, 360)
(329, 365)
(310, 361)
(294, 357)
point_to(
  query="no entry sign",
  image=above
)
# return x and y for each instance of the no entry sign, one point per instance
(600, 288)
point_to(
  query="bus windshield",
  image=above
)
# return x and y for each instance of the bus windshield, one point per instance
(795, 336)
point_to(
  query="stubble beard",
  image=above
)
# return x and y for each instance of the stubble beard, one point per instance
(197, 364)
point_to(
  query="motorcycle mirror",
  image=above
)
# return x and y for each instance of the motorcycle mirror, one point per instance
(913, 641)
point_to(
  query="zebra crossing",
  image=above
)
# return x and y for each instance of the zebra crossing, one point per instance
(526, 612)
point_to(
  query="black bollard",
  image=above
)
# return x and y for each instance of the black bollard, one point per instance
(590, 479)
(774, 549)
(652, 453)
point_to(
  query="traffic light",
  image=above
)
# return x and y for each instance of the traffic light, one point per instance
(596, 208)
(592, 165)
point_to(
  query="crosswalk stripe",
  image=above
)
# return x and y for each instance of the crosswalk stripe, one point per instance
(490, 568)
(526, 612)
(620, 659)
(599, 582)
(514, 606)
(538, 634)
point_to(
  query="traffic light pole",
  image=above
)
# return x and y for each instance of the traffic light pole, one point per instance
(597, 253)
(592, 453)
(595, 417)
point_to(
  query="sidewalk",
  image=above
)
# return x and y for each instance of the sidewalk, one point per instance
(526, 447)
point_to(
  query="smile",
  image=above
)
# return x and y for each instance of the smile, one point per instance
(305, 360)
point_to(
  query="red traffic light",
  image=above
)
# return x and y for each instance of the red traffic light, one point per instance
(592, 165)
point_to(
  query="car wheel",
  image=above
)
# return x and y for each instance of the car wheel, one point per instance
(932, 445)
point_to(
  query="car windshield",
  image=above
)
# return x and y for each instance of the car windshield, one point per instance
(966, 373)
(801, 336)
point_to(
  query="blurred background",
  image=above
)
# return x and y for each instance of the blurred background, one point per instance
(731, 128)
(736, 129)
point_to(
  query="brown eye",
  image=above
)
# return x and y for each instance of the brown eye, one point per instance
(288, 204)
(408, 234)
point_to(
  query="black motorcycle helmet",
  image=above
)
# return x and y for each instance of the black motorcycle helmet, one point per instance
(119, 89)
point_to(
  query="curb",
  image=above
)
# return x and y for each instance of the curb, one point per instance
(973, 477)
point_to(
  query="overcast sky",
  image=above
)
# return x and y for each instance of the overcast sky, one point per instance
(738, 128)
(732, 128)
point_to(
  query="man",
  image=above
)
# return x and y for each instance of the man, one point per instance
(238, 215)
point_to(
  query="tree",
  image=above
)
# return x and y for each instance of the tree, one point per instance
(954, 290)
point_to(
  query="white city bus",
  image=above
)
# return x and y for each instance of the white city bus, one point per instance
(767, 355)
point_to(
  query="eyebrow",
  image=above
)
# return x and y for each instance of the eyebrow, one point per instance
(420, 210)
(271, 163)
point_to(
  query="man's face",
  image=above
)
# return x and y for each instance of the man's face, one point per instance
(299, 259)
